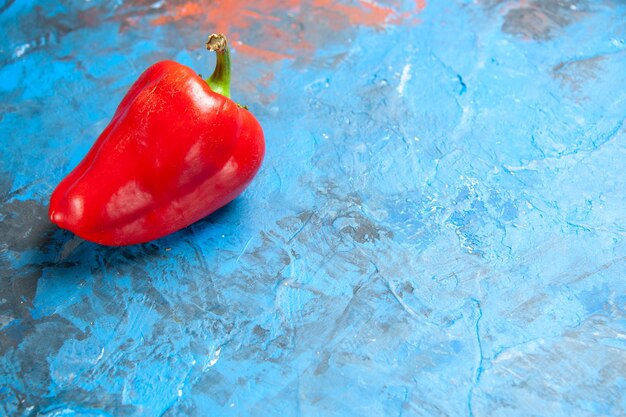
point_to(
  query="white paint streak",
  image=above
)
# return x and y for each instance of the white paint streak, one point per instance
(214, 359)
(244, 249)
(404, 78)
(21, 50)
(99, 356)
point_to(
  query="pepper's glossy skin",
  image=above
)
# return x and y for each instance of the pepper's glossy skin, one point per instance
(174, 152)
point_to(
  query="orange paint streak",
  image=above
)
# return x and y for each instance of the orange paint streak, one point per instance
(365, 14)
(260, 53)
(184, 10)
(256, 15)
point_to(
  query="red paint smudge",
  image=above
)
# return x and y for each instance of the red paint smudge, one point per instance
(275, 30)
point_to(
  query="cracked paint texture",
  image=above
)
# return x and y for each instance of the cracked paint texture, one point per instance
(438, 228)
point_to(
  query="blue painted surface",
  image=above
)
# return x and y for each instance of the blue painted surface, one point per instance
(438, 228)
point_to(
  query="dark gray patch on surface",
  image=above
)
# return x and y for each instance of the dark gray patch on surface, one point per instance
(24, 225)
(359, 228)
(574, 73)
(17, 291)
(541, 19)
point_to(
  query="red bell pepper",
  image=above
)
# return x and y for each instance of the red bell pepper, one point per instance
(177, 149)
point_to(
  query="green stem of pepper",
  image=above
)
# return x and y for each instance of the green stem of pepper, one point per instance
(219, 81)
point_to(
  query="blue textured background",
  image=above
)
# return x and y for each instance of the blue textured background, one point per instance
(438, 228)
